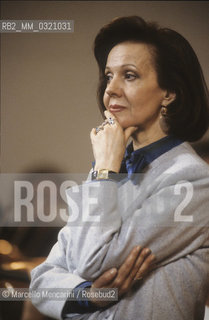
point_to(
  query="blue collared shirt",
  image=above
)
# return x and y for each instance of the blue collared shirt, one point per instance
(136, 161)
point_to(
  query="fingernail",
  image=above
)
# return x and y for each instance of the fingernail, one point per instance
(138, 278)
(148, 250)
(112, 271)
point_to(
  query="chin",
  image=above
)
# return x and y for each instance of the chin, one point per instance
(126, 124)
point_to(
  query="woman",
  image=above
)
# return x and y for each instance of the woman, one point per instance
(154, 193)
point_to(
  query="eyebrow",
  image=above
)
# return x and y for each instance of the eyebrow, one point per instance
(123, 65)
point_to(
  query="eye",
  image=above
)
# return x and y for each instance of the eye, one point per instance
(108, 77)
(130, 76)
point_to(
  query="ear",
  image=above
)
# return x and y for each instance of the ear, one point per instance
(168, 98)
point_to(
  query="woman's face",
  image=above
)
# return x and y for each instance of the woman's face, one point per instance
(132, 93)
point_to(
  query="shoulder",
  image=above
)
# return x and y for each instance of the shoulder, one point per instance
(181, 161)
(179, 165)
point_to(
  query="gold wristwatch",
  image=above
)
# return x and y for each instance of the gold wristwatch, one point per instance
(103, 174)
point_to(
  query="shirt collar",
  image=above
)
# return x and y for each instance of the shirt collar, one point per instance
(136, 161)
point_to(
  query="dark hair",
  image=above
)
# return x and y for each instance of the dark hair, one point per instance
(178, 71)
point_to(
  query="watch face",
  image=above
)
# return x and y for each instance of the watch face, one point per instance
(102, 174)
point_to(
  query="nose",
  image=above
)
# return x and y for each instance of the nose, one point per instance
(114, 88)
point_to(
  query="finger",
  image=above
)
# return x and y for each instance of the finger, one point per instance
(105, 279)
(111, 118)
(128, 264)
(145, 267)
(92, 133)
(101, 127)
(108, 114)
(96, 130)
(105, 122)
(128, 132)
(126, 267)
(144, 254)
(137, 266)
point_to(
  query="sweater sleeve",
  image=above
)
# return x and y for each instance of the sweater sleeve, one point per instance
(172, 220)
(54, 273)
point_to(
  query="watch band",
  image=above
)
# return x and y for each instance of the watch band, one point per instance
(103, 174)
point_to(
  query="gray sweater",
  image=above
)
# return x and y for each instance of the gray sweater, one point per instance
(165, 209)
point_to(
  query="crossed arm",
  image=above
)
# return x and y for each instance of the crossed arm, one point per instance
(138, 263)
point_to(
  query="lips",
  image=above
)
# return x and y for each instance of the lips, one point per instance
(116, 108)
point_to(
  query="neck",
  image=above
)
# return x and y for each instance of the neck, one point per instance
(142, 138)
